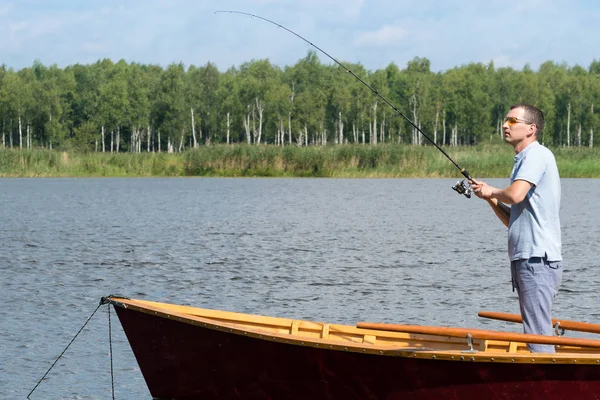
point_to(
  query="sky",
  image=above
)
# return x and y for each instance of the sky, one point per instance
(373, 33)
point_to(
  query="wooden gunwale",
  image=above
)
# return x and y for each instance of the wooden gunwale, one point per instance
(352, 339)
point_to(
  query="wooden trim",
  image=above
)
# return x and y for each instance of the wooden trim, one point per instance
(294, 328)
(325, 331)
(513, 347)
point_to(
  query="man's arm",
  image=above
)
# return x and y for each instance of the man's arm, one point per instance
(513, 194)
(501, 210)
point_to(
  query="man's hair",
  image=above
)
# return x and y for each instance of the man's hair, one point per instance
(533, 115)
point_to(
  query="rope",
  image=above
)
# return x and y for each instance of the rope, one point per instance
(63, 352)
(112, 376)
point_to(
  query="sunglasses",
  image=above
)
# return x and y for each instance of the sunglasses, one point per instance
(514, 120)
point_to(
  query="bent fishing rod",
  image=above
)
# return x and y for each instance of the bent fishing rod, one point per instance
(462, 187)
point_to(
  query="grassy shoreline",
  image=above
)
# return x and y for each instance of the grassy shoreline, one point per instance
(340, 161)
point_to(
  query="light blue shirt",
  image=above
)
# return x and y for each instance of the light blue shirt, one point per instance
(534, 227)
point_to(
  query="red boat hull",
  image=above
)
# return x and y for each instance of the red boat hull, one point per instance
(184, 361)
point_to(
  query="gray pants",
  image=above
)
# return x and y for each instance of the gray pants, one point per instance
(536, 281)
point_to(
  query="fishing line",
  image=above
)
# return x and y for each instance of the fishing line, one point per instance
(460, 187)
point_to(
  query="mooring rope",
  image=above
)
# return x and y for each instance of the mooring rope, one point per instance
(71, 342)
(112, 376)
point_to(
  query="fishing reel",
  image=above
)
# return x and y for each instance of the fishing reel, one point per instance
(463, 187)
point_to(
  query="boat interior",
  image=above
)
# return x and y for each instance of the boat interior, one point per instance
(382, 339)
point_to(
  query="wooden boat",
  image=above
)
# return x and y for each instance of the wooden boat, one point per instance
(193, 353)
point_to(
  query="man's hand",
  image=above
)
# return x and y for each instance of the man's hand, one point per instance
(482, 189)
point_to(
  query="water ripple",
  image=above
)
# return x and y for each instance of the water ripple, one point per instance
(331, 250)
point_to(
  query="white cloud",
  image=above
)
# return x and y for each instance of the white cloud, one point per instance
(501, 61)
(374, 33)
(384, 36)
(351, 8)
(6, 8)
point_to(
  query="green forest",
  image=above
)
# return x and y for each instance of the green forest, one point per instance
(121, 107)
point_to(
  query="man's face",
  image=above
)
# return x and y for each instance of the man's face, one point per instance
(517, 128)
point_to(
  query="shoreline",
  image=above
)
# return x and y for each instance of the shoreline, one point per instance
(335, 161)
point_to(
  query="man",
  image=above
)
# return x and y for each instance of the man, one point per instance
(534, 240)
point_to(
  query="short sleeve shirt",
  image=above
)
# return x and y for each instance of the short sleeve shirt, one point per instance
(534, 227)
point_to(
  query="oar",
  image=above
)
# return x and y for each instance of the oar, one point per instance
(481, 334)
(562, 324)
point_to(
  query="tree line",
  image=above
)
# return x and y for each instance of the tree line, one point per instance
(118, 107)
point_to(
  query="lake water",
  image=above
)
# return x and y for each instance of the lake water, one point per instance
(336, 250)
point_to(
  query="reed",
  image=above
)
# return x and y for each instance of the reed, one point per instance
(381, 161)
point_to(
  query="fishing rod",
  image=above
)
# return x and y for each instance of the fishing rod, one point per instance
(462, 187)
